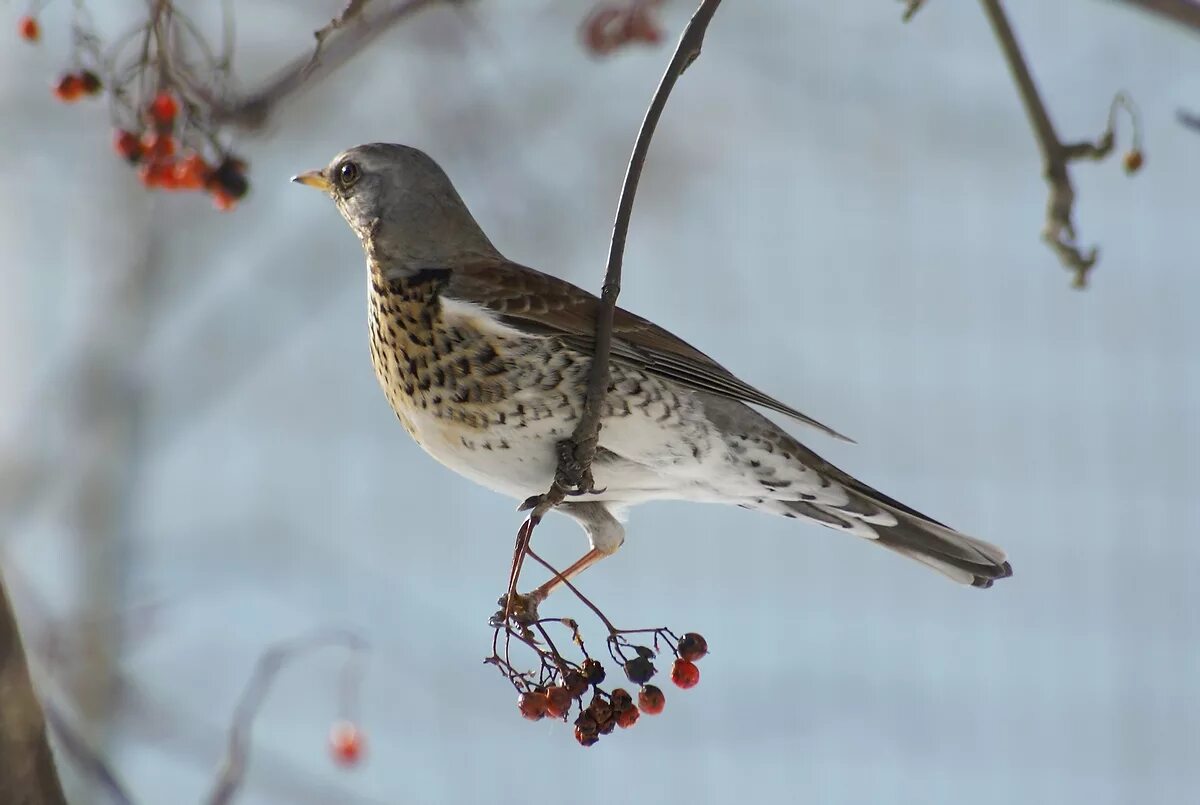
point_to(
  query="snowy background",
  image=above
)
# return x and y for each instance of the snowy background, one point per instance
(197, 461)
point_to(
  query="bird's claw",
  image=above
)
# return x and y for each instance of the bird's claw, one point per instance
(523, 612)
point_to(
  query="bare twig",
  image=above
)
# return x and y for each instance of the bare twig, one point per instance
(334, 49)
(911, 7)
(27, 772)
(1059, 231)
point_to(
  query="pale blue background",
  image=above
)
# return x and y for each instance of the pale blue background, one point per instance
(842, 209)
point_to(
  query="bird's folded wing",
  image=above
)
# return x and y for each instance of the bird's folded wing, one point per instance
(544, 305)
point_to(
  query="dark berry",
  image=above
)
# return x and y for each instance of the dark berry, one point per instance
(532, 705)
(575, 683)
(593, 671)
(692, 646)
(639, 670)
(558, 702)
(651, 700)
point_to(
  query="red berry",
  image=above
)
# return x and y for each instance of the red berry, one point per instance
(163, 108)
(532, 705)
(346, 743)
(158, 146)
(692, 646)
(558, 701)
(69, 88)
(651, 700)
(90, 82)
(1133, 161)
(627, 718)
(685, 674)
(128, 145)
(29, 29)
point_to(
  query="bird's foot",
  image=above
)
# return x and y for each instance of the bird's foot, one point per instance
(523, 611)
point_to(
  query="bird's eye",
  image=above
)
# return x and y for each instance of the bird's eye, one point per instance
(348, 174)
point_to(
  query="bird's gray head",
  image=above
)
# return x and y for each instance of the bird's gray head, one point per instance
(403, 207)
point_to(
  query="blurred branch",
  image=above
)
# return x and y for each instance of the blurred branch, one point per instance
(87, 759)
(1182, 12)
(337, 43)
(1059, 231)
(27, 772)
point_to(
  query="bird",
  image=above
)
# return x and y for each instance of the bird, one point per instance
(485, 363)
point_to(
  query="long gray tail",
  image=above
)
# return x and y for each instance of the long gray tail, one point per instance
(881, 519)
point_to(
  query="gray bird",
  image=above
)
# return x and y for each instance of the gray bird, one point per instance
(485, 363)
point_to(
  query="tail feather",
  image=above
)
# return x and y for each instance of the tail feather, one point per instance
(909, 533)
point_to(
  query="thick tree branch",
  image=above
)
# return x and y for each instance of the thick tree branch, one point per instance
(1059, 231)
(27, 772)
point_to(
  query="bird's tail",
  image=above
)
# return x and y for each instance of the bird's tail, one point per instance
(875, 516)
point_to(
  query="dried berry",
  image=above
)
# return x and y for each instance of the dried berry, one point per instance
(593, 671)
(627, 718)
(1133, 161)
(651, 700)
(586, 738)
(532, 705)
(685, 674)
(558, 701)
(620, 700)
(600, 710)
(346, 743)
(639, 670)
(692, 646)
(90, 82)
(575, 683)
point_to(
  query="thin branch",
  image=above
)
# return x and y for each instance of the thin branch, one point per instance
(1059, 231)
(336, 45)
(27, 772)
(574, 475)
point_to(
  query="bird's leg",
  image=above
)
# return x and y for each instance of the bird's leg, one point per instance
(583, 563)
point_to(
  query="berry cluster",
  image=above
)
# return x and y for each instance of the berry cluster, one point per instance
(163, 117)
(560, 683)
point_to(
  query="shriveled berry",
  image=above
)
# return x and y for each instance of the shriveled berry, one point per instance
(685, 674)
(593, 671)
(692, 646)
(128, 145)
(627, 718)
(558, 701)
(346, 743)
(607, 727)
(586, 738)
(575, 683)
(90, 82)
(600, 710)
(1133, 161)
(620, 699)
(532, 705)
(639, 670)
(164, 108)
(651, 700)
(29, 29)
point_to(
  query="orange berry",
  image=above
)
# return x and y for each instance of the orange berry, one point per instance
(685, 674)
(692, 646)
(346, 743)
(1133, 161)
(586, 737)
(128, 145)
(651, 700)
(29, 29)
(532, 705)
(69, 88)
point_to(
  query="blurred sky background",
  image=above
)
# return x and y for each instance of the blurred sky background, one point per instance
(197, 462)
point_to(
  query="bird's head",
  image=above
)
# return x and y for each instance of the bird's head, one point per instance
(402, 206)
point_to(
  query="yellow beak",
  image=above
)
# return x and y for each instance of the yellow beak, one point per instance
(312, 179)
